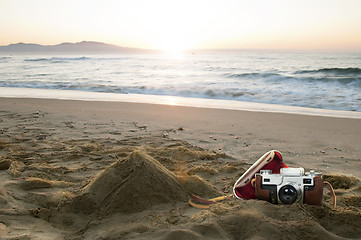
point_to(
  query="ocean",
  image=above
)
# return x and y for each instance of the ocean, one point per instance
(319, 81)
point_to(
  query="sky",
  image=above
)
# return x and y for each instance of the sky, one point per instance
(174, 25)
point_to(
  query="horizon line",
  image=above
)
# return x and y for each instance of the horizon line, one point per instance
(191, 50)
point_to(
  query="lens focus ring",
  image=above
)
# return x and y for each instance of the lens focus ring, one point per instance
(288, 194)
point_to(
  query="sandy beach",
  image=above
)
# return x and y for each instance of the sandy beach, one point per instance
(113, 170)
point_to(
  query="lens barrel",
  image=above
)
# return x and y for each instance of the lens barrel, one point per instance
(288, 194)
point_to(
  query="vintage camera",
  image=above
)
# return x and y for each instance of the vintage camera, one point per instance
(291, 185)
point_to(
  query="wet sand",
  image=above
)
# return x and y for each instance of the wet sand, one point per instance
(112, 170)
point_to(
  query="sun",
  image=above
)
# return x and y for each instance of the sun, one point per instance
(172, 27)
(173, 43)
(173, 51)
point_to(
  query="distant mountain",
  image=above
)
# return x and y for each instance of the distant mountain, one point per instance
(66, 48)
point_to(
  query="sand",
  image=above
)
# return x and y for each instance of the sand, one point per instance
(109, 170)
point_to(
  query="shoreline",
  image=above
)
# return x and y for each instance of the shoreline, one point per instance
(9, 92)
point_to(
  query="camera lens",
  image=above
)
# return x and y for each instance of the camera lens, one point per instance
(288, 194)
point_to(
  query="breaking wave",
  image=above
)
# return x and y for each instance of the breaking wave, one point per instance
(325, 75)
(262, 76)
(37, 60)
(335, 71)
(56, 59)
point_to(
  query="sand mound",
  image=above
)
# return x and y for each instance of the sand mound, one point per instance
(340, 181)
(347, 190)
(34, 183)
(130, 185)
(352, 201)
(254, 219)
(198, 186)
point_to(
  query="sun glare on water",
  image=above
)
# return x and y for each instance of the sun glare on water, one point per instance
(172, 101)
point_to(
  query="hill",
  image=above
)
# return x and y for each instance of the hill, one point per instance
(66, 47)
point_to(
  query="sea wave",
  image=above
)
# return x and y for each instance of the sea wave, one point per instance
(56, 59)
(68, 59)
(37, 60)
(261, 76)
(344, 76)
(38, 75)
(197, 92)
(356, 82)
(276, 95)
(335, 71)
(252, 75)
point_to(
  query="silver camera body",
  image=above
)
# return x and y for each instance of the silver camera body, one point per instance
(289, 186)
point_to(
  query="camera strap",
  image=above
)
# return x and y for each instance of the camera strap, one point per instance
(332, 193)
(203, 203)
